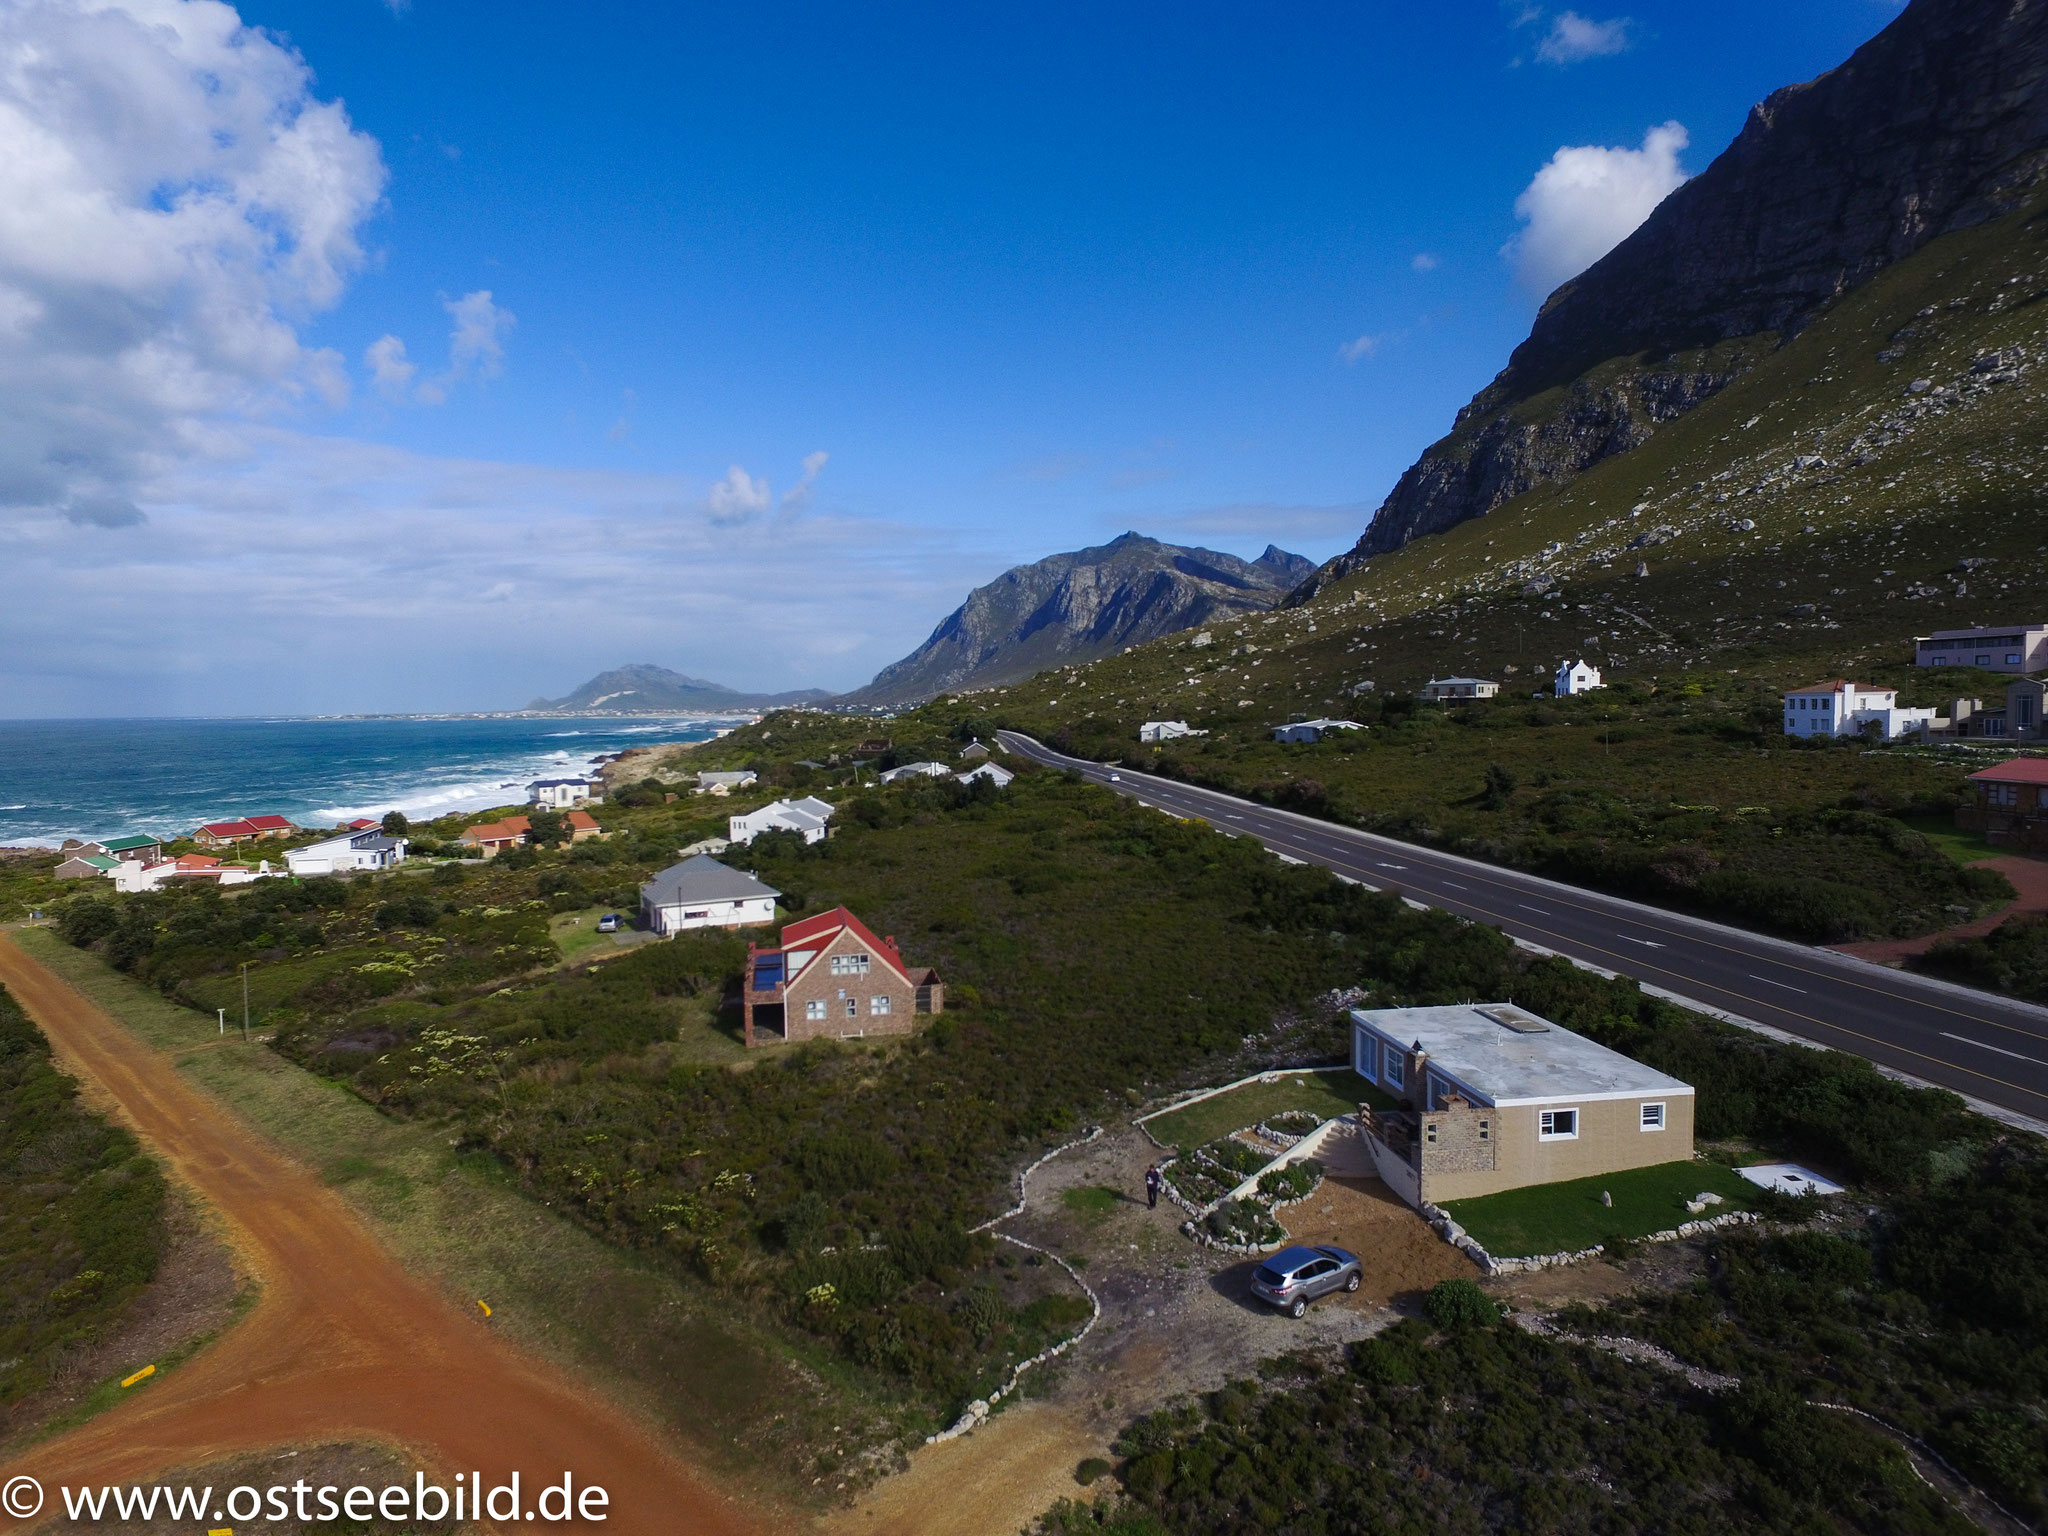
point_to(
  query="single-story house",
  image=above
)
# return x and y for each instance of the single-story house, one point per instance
(914, 771)
(492, 838)
(88, 866)
(806, 817)
(874, 746)
(582, 826)
(147, 849)
(360, 824)
(1452, 689)
(832, 976)
(243, 829)
(558, 794)
(1495, 1097)
(1312, 730)
(995, 773)
(703, 893)
(2000, 648)
(1167, 730)
(1839, 707)
(133, 877)
(2011, 807)
(721, 783)
(1576, 677)
(346, 854)
(973, 751)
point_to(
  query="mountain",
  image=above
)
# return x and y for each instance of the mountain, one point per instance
(1079, 606)
(643, 689)
(1937, 124)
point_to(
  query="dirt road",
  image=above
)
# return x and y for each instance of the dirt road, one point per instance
(344, 1343)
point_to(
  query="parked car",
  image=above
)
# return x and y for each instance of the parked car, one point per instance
(609, 923)
(1294, 1277)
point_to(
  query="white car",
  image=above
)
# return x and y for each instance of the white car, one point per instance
(1116, 778)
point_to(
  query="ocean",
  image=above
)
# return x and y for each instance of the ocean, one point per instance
(114, 778)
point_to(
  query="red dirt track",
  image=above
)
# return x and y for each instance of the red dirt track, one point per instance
(344, 1344)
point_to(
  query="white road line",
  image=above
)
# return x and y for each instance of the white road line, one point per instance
(1457, 887)
(1527, 908)
(1646, 943)
(1393, 866)
(2001, 1050)
(1770, 983)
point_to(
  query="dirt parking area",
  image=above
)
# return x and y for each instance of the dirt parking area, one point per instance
(1177, 1318)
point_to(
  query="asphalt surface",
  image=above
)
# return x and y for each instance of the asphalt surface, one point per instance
(1989, 1049)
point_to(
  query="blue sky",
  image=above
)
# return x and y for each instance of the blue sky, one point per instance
(746, 339)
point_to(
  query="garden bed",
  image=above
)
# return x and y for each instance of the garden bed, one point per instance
(1325, 1094)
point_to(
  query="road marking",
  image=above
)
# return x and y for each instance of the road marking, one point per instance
(1632, 939)
(2015, 1055)
(1527, 908)
(1457, 887)
(1770, 983)
(1384, 865)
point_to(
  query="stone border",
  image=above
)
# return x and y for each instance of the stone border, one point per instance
(1441, 1223)
(977, 1412)
(1196, 1096)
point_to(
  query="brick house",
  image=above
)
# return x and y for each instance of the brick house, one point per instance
(831, 976)
(1494, 1097)
(2011, 806)
(243, 829)
(492, 838)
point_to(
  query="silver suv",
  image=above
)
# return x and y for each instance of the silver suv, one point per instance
(1294, 1277)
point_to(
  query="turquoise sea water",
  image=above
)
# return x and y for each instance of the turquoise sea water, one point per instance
(111, 778)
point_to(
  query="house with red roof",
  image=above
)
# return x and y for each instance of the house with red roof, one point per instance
(492, 838)
(2011, 805)
(242, 829)
(832, 976)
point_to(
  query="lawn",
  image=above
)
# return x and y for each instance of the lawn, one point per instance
(1328, 1094)
(576, 936)
(1963, 847)
(1566, 1218)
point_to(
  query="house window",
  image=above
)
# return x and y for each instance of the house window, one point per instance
(1369, 1060)
(2002, 794)
(852, 1008)
(1983, 661)
(1941, 661)
(698, 916)
(1486, 1130)
(1429, 1133)
(1653, 1117)
(1390, 1074)
(849, 965)
(878, 1004)
(1558, 1125)
(815, 1008)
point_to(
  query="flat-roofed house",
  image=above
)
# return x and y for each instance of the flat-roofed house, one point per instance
(1996, 648)
(831, 976)
(1452, 690)
(1839, 707)
(1495, 1097)
(1312, 730)
(700, 892)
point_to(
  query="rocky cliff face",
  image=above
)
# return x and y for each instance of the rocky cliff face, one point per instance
(1076, 607)
(1938, 122)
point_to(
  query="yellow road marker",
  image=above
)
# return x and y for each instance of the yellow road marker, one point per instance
(146, 1371)
(484, 1304)
(229, 1531)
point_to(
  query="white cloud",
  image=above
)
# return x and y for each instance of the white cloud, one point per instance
(173, 201)
(368, 577)
(795, 498)
(1573, 38)
(476, 347)
(1358, 350)
(739, 497)
(389, 370)
(1586, 200)
(1424, 262)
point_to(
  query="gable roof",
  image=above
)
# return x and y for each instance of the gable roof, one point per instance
(241, 827)
(582, 821)
(99, 861)
(2019, 770)
(126, 844)
(702, 878)
(269, 823)
(822, 928)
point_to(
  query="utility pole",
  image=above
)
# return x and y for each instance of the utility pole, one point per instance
(245, 1002)
(223, 1019)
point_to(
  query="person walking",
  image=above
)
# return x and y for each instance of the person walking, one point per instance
(1152, 1183)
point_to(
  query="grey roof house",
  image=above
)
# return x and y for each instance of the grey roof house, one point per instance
(700, 892)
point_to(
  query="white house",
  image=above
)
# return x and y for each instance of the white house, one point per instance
(1441, 689)
(806, 817)
(995, 773)
(1842, 708)
(914, 771)
(1576, 677)
(1167, 730)
(703, 893)
(558, 794)
(725, 783)
(1312, 730)
(134, 875)
(346, 854)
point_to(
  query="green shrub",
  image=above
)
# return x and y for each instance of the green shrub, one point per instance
(1456, 1304)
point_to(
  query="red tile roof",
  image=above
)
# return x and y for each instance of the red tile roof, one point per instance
(2021, 770)
(270, 823)
(582, 821)
(819, 929)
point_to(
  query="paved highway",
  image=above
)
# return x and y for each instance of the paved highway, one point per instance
(1989, 1049)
